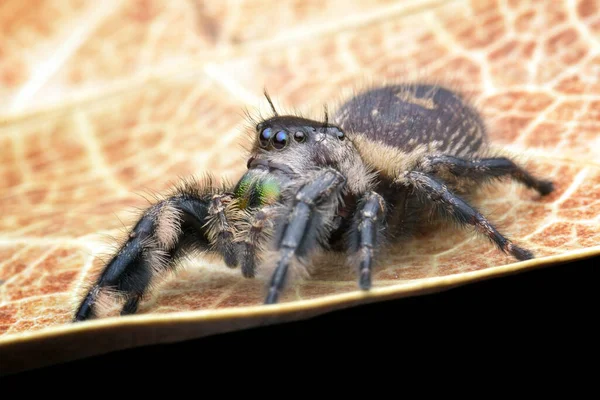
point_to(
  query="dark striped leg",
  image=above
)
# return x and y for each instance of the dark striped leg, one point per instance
(251, 240)
(151, 249)
(364, 235)
(488, 168)
(304, 223)
(457, 209)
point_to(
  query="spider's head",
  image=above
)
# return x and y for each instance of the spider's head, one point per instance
(294, 144)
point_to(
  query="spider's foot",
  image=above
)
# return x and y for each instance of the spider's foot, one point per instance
(131, 306)
(519, 253)
(82, 315)
(84, 312)
(545, 187)
(248, 266)
(272, 297)
(228, 251)
(364, 280)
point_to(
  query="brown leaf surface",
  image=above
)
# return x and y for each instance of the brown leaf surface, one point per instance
(104, 101)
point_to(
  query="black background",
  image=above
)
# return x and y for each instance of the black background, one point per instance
(542, 318)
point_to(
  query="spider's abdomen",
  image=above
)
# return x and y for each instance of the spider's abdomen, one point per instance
(405, 116)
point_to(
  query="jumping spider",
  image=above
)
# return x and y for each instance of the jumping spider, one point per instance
(395, 156)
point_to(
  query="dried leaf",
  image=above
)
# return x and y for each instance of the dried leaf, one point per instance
(104, 101)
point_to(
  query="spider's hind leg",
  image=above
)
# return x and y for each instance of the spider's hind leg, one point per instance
(165, 231)
(485, 169)
(447, 203)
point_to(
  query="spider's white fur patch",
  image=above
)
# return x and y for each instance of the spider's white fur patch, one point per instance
(108, 302)
(157, 261)
(389, 161)
(360, 177)
(168, 226)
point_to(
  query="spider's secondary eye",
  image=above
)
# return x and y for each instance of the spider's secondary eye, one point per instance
(299, 137)
(280, 140)
(340, 135)
(264, 137)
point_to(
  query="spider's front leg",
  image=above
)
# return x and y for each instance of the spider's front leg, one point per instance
(163, 233)
(365, 235)
(305, 223)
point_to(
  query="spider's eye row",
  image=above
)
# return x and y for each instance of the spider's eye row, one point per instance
(299, 136)
(280, 140)
(265, 137)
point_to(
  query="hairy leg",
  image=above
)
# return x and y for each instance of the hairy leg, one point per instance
(220, 232)
(163, 232)
(250, 238)
(302, 224)
(433, 191)
(364, 235)
(486, 168)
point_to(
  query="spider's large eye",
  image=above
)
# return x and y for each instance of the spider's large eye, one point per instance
(264, 137)
(280, 140)
(299, 137)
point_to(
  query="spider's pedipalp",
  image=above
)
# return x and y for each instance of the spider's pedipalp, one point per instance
(251, 238)
(220, 231)
(435, 192)
(303, 223)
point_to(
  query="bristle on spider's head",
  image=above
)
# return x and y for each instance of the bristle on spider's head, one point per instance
(326, 123)
(270, 102)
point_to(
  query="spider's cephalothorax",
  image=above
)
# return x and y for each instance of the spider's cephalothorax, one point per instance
(392, 157)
